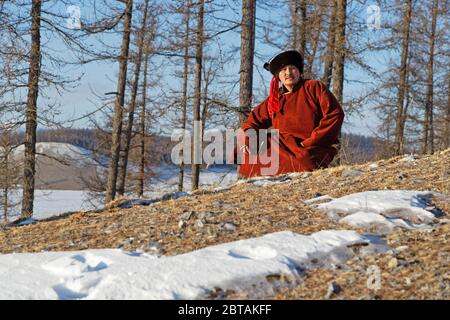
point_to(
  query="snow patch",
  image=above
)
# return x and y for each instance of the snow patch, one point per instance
(381, 209)
(409, 158)
(116, 274)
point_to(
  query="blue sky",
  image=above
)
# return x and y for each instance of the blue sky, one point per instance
(100, 77)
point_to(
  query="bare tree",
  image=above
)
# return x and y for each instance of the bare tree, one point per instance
(247, 53)
(329, 55)
(132, 104)
(339, 50)
(400, 124)
(428, 129)
(31, 111)
(186, 60)
(9, 171)
(196, 145)
(118, 105)
(446, 130)
(142, 131)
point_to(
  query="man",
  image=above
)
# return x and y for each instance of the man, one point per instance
(306, 114)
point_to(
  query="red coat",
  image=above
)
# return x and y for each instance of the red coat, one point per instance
(309, 115)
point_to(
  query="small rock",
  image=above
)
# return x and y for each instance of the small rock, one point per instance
(393, 263)
(211, 233)
(221, 204)
(208, 214)
(186, 215)
(182, 224)
(112, 227)
(410, 158)
(401, 248)
(351, 173)
(344, 183)
(333, 288)
(199, 224)
(306, 174)
(227, 226)
(152, 247)
(370, 259)
(407, 281)
(317, 194)
(126, 243)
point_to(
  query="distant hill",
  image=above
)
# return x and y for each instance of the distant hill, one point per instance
(61, 166)
(98, 143)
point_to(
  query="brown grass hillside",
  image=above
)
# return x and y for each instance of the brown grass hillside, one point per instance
(419, 270)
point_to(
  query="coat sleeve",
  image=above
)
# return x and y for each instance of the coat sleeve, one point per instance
(327, 132)
(259, 118)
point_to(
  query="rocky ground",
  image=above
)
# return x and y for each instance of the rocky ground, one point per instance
(416, 268)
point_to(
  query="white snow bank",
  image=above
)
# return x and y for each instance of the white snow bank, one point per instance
(116, 274)
(382, 209)
(48, 203)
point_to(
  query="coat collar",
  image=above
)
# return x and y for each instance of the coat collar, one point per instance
(296, 87)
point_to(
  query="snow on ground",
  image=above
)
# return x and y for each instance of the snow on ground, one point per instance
(116, 274)
(382, 210)
(49, 203)
(219, 176)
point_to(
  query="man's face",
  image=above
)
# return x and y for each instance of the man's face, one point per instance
(289, 76)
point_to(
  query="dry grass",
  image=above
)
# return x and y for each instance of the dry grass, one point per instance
(258, 211)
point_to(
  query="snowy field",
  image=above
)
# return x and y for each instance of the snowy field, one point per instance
(54, 202)
(49, 203)
(115, 274)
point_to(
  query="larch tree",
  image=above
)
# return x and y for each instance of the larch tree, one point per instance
(402, 84)
(247, 53)
(119, 105)
(197, 136)
(132, 104)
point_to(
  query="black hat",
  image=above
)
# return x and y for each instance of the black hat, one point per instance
(289, 57)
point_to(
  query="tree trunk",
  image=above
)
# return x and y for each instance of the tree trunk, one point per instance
(329, 56)
(7, 183)
(118, 106)
(400, 123)
(314, 44)
(447, 120)
(5, 204)
(247, 53)
(205, 105)
(197, 147)
(31, 112)
(339, 52)
(142, 130)
(428, 130)
(187, 15)
(299, 33)
(134, 88)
